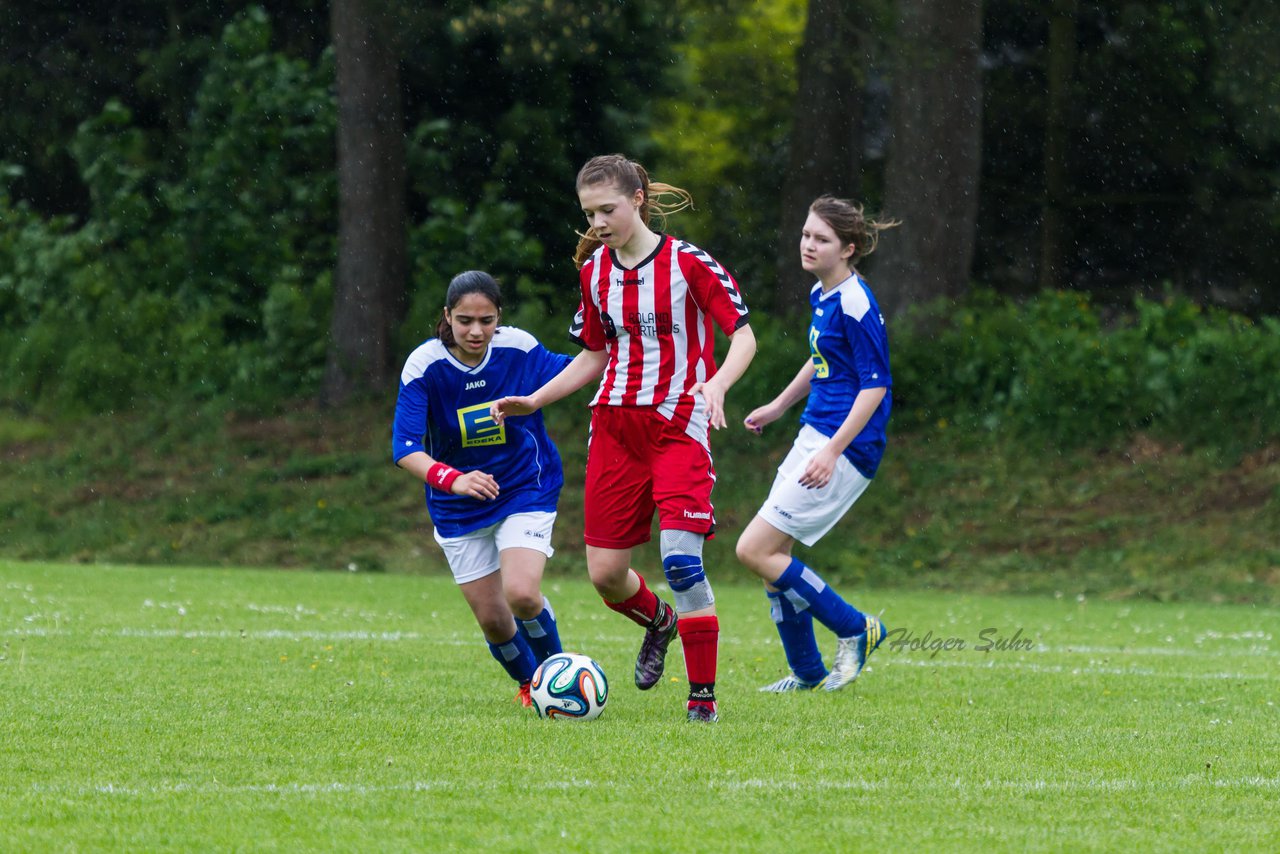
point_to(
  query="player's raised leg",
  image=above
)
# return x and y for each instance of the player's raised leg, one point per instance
(624, 590)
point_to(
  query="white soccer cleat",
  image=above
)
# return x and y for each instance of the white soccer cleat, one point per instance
(790, 682)
(851, 655)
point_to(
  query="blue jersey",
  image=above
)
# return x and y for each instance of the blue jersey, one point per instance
(443, 409)
(850, 352)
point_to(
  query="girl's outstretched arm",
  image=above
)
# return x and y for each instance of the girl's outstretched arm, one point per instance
(584, 368)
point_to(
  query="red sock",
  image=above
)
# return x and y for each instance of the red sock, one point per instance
(641, 608)
(700, 637)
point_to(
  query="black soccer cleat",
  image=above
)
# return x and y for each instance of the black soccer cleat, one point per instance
(703, 712)
(653, 651)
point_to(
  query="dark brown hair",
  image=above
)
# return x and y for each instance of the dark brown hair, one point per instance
(628, 176)
(470, 282)
(851, 225)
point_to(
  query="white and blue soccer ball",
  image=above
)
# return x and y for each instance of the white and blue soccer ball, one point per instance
(569, 686)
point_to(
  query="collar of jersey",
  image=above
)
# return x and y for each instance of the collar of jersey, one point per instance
(463, 366)
(822, 295)
(613, 256)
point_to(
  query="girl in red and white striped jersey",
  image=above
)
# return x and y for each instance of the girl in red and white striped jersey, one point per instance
(650, 305)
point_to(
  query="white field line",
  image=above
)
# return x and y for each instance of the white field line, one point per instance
(1069, 669)
(452, 786)
(264, 634)
(228, 634)
(1164, 651)
(1254, 651)
(888, 656)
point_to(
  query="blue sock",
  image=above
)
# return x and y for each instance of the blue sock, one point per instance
(516, 657)
(795, 628)
(806, 590)
(541, 633)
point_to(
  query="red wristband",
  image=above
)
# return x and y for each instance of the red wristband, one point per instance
(441, 476)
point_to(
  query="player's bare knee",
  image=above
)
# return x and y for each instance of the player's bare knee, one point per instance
(525, 603)
(608, 578)
(747, 554)
(496, 624)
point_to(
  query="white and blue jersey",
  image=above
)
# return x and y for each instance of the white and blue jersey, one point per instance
(443, 409)
(850, 352)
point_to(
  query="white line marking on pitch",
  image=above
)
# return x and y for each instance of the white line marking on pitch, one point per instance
(263, 634)
(1074, 670)
(754, 784)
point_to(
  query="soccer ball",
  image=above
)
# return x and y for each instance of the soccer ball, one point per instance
(569, 685)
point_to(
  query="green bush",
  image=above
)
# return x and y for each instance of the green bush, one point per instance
(200, 272)
(1051, 370)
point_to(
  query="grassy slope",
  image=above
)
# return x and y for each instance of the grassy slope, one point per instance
(315, 489)
(195, 709)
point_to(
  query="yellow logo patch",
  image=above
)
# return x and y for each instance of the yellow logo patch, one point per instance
(478, 428)
(822, 369)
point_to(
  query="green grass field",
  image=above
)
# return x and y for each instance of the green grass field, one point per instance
(150, 709)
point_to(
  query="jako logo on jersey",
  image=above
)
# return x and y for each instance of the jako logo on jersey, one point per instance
(691, 515)
(783, 513)
(474, 384)
(479, 428)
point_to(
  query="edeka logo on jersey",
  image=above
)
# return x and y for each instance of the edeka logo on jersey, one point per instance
(821, 368)
(479, 428)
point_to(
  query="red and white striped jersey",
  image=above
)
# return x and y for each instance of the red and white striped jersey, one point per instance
(657, 323)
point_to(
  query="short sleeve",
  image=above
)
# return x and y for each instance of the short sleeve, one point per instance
(869, 351)
(410, 425)
(714, 289)
(587, 330)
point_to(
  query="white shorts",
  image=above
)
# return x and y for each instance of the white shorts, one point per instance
(475, 555)
(807, 514)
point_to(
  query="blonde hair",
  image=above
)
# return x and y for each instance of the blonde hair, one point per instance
(851, 225)
(660, 200)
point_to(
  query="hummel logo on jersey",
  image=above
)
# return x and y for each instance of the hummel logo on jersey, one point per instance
(474, 384)
(688, 514)
(630, 278)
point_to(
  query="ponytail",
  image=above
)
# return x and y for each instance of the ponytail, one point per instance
(660, 200)
(851, 225)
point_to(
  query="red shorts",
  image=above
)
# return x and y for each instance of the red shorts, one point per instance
(638, 461)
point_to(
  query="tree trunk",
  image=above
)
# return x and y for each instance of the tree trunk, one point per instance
(826, 134)
(369, 283)
(1054, 232)
(931, 180)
